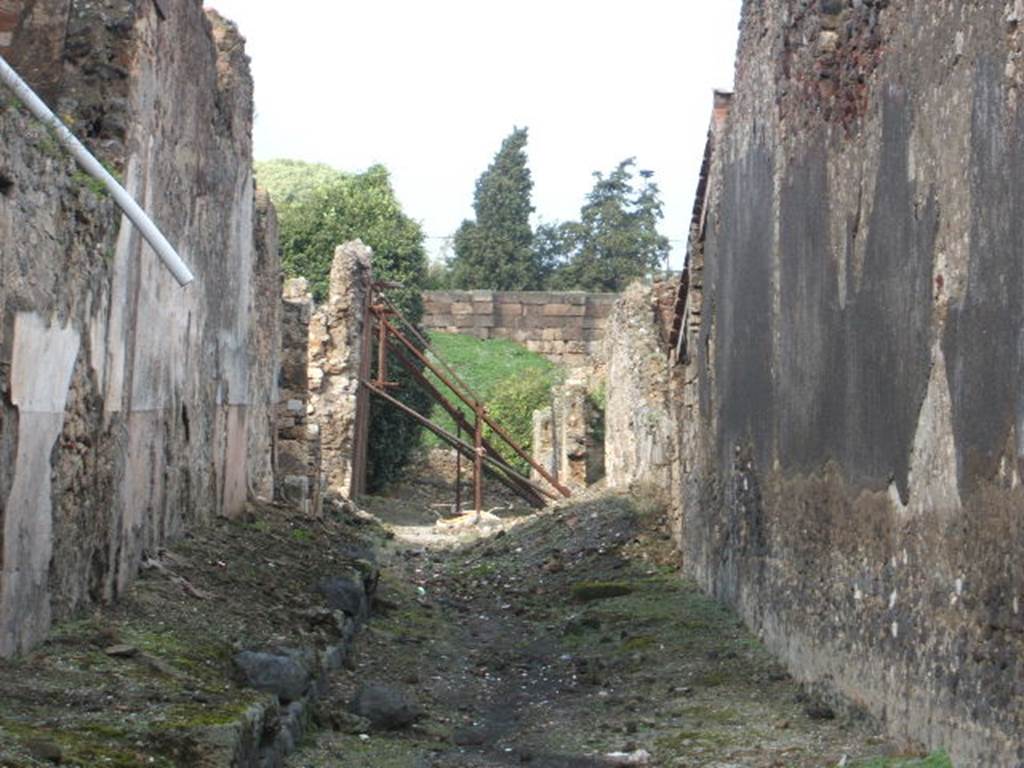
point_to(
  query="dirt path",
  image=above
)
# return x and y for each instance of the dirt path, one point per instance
(563, 638)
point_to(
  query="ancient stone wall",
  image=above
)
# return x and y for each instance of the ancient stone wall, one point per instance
(567, 327)
(129, 408)
(32, 38)
(852, 444)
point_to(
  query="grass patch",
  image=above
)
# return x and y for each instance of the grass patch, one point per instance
(683, 742)
(380, 751)
(88, 182)
(712, 678)
(93, 745)
(512, 381)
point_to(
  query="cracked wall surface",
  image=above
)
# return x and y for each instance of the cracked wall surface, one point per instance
(849, 415)
(159, 401)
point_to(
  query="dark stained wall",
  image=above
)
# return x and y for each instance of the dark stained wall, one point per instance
(853, 475)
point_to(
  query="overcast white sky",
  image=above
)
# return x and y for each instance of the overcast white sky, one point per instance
(430, 89)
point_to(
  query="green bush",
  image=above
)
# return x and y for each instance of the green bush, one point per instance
(937, 760)
(512, 405)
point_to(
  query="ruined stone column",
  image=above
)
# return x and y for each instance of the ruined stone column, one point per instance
(566, 435)
(638, 418)
(572, 433)
(335, 352)
(543, 443)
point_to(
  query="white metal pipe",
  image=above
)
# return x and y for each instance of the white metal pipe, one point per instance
(94, 168)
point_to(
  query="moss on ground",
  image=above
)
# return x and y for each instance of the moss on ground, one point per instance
(379, 751)
(589, 591)
(170, 695)
(89, 744)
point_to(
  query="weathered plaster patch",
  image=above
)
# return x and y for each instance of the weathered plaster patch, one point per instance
(235, 466)
(120, 307)
(933, 476)
(143, 491)
(40, 394)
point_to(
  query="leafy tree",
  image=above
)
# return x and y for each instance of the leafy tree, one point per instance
(495, 251)
(319, 208)
(616, 239)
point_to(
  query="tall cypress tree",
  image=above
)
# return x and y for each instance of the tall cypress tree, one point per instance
(496, 250)
(616, 239)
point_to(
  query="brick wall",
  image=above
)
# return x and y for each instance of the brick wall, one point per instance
(565, 327)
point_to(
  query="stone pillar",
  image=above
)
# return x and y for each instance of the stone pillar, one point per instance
(335, 352)
(299, 473)
(639, 417)
(572, 419)
(543, 443)
(568, 435)
(265, 348)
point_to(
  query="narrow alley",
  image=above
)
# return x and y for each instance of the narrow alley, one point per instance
(564, 639)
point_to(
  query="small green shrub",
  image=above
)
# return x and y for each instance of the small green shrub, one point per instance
(512, 405)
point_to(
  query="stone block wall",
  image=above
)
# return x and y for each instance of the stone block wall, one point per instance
(566, 327)
(32, 39)
(130, 408)
(850, 413)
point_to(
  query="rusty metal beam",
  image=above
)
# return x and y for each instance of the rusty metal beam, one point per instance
(473, 396)
(458, 473)
(477, 406)
(465, 447)
(478, 465)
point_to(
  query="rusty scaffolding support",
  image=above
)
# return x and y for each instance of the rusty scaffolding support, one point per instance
(379, 311)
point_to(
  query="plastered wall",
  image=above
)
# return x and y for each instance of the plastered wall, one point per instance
(129, 407)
